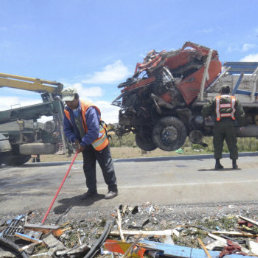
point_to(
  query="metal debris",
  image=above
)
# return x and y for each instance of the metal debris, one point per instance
(143, 230)
(13, 226)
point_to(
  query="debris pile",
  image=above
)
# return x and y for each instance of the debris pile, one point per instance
(137, 231)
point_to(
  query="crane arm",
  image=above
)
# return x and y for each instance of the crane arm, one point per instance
(31, 84)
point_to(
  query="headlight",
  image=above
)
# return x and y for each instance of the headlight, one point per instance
(50, 126)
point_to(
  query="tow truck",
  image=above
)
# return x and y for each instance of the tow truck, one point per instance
(21, 135)
(162, 102)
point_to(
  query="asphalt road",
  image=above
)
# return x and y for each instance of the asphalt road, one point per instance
(163, 181)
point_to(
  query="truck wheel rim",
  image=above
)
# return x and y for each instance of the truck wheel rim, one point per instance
(168, 135)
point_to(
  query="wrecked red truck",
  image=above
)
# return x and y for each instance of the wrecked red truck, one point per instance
(162, 102)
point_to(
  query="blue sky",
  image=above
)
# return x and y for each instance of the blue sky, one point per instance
(95, 44)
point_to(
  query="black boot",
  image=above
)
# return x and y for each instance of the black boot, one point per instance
(234, 164)
(218, 165)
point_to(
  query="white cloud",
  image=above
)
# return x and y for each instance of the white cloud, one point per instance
(109, 113)
(110, 74)
(92, 92)
(16, 102)
(247, 46)
(86, 92)
(250, 58)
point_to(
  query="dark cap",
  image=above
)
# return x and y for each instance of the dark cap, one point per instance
(225, 90)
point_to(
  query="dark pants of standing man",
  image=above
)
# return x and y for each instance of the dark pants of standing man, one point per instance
(90, 156)
(225, 130)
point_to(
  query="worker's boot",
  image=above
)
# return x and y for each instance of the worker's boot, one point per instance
(218, 165)
(234, 164)
(89, 194)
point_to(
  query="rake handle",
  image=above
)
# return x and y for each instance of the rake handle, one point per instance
(59, 189)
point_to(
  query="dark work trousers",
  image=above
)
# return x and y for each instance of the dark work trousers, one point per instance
(225, 130)
(90, 156)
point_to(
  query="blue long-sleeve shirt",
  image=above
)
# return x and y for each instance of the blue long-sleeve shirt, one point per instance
(92, 120)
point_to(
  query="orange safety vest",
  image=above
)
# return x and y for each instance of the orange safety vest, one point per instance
(230, 105)
(101, 142)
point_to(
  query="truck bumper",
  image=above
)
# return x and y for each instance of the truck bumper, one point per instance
(37, 148)
(248, 131)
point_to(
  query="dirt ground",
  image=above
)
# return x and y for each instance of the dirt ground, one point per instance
(123, 153)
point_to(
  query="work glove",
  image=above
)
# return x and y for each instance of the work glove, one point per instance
(77, 146)
(208, 119)
(80, 148)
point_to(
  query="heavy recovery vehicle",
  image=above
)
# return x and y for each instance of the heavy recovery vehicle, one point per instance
(21, 135)
(162, 102)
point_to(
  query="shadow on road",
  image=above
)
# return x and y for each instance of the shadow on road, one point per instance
(47, 164)
(68, 203)
(219, 170)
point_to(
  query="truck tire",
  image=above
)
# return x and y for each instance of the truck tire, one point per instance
(5, 145)
(169, 133)
(144, 141)
(16, 160)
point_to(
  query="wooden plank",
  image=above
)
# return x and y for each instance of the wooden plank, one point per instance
(44, 228)
(40, 226)
(143, 233)
(235, 233)
(29, 246)
(221, 239)
(203, 247)
(28, 238)
(119, 224)
(249, 220)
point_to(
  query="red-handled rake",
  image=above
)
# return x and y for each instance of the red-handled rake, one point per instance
(59, 189)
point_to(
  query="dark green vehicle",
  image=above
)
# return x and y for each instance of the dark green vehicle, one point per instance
(21, 135)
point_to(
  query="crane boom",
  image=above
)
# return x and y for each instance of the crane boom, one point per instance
(30, 84)
(29, 137)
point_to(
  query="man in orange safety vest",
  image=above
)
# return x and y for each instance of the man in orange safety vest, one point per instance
(228, 112)
(84, 127)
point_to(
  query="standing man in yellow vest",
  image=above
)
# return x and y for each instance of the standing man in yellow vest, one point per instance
(228, 112)
(84, 127)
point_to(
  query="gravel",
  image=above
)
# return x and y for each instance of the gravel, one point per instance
(192, 221)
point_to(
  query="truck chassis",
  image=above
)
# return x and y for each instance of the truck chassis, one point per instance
(162, 102)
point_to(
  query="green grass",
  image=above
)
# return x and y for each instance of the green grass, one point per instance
(244, 144)
(125, 147)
